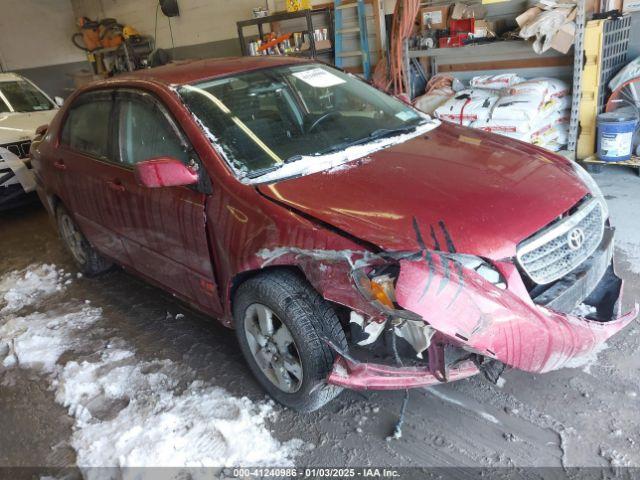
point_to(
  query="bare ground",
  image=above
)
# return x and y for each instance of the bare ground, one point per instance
(569, 418)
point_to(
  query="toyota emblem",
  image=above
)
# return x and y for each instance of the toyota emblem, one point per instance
(575, 238)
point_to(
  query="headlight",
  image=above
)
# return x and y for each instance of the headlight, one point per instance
(593, 187)
(378, 284)
(481, 267)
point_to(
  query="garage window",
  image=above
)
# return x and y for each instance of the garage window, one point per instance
(86, 129)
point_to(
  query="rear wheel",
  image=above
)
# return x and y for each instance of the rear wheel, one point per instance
(88, 260)
(281, 323)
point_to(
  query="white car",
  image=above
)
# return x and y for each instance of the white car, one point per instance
(23, 108)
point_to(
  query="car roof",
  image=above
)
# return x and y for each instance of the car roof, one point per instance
(192, 71)
(10, 77)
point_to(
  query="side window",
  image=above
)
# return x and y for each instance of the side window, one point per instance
(86, 128)
(146, 133)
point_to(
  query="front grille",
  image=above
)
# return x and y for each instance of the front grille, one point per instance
(21, 149)
(561, 247)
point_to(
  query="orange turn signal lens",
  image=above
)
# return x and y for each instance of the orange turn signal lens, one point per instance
(381, 295)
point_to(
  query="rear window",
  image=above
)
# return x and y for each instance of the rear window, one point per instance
(86, 128)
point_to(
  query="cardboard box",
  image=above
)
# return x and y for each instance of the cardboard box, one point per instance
(528, 15)
(436, 17)
(461, 11)
(631, 6)
(564, 37)
(485, 29)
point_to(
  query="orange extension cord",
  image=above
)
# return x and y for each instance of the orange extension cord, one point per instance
(391, 78)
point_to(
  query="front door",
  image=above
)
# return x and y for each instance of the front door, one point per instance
(164, 228)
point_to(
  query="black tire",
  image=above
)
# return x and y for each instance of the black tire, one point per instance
(309, 318)
(87, 259)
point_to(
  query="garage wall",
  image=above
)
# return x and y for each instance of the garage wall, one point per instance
(34, 33)
(208, 26)
(35, 41)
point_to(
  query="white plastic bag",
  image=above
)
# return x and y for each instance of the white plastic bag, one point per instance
(544, 26)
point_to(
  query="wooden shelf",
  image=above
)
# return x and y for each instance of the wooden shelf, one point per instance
(593, 164)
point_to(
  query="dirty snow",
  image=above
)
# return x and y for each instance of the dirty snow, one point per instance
(22, 288)
(583, 310)
(173, 419)
(361, 257)
(586, 361)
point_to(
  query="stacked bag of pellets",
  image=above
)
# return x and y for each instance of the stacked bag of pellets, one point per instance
(534, 111)
(468, 106)
(475, 104)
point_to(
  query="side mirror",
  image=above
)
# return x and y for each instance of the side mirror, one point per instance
(59, 101)
(164, 172)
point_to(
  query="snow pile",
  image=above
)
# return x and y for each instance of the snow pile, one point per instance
(158, 421)
(38, 340)
(22, 288)
(130, 412)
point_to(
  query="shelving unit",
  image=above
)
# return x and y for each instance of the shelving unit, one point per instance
(512, 55)
(308, 15)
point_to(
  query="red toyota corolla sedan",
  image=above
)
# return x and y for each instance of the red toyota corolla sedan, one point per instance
(349, 239)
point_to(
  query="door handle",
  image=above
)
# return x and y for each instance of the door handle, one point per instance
(59, 164)
(115, 185)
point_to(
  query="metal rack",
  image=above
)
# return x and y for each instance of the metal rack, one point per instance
(578, 65)
(516, 50)
(279, 17)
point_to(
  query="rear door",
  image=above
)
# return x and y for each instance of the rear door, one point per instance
(85, 164)
(164, 228)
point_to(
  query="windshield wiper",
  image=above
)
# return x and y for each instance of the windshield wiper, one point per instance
(293, 158)
(388, 132)
(375, 135)
(263, 171)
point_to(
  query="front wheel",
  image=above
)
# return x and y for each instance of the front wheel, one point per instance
(88, 260)
(281, 323)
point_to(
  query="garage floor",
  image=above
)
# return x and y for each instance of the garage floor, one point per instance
(121, 359)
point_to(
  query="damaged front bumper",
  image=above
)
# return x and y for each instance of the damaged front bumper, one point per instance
(492, 326)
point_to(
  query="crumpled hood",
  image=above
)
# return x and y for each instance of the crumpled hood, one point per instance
(482, 193)
(22, 126)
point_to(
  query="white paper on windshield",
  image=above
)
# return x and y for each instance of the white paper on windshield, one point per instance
(406, 115)
(319, 78)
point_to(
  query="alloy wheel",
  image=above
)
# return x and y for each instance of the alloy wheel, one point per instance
(73, 238)
(273, 348)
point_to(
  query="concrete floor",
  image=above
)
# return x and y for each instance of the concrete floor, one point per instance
(568, 418)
